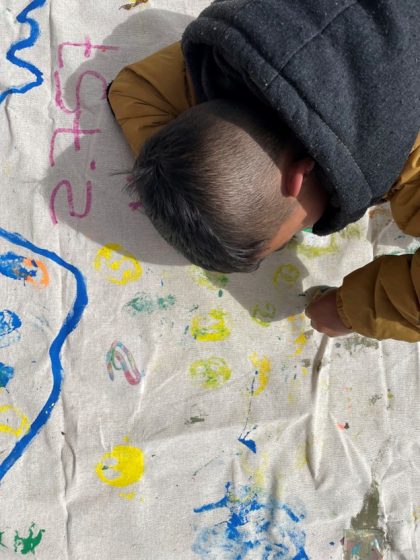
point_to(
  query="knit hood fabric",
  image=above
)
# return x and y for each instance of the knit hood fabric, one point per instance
(344, 75)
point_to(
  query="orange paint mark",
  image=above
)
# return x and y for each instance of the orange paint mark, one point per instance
(44, 281)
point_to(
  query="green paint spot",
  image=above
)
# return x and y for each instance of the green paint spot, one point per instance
(211, 373)
(220, 293)
(208, 279)
(29, 543)
(194, 420)
(1, 539)
(356, 343)
(144, 303)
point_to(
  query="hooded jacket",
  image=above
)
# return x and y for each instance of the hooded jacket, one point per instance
(380, 300)
(343, 74)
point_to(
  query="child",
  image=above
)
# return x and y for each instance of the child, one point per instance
(227, 181)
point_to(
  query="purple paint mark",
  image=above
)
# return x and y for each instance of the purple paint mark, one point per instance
(93, 165)
(135, 205)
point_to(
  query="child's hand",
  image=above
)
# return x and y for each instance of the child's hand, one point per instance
(324, 315)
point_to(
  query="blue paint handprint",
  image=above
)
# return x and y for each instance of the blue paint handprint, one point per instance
(31, 271)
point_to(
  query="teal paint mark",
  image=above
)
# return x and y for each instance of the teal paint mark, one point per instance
(144, 303)
(256, 525)
(29, 543)
(1, 539)
(6, 374)
(12, 266)
(220, 293)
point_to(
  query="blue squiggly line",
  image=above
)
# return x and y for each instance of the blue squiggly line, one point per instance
(24, 44)
(69, 325)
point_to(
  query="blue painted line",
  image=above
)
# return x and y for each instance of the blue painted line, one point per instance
(70, 323)
(30, 41)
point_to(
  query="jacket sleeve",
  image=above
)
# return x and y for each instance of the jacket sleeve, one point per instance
(382, 299)
(147, 95)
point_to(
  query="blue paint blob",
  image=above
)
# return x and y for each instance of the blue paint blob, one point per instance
(11, 265)
(250, 443)
(6, 374)
(263, 525)
(22, 17)
(9, 322)
(69, 324)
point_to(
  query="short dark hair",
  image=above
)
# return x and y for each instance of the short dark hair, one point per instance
(209, 182)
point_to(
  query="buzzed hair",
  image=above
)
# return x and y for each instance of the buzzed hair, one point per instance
(210, 183)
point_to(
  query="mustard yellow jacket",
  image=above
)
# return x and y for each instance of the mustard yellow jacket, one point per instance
(380, 300)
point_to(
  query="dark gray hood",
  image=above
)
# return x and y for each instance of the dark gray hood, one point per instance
(343, 74)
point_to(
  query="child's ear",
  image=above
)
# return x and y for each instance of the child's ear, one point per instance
(295, 175)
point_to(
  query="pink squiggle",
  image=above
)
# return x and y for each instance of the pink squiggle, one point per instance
(76, 131)
(67, 185)
(88, 49)
(58, 91)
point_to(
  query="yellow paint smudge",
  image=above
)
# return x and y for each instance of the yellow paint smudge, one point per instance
(208, 279)
(263, 367)
(210, 373)
(127, 495)
(124, 461)
(265, 311)
(297, 323)
(313, 246)
(256, 474)
(352, 231)
(288, 273)
(124, 266)
(23, 426)
(301, 456)
(210, 328)
(305, 370)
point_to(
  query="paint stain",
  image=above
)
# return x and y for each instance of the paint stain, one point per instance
(17, 267)
(24, 43)
(122, 466)
(127, 495)
(133, 4)
(312, 246)
(374, 399)
(208, 279)
(6, 374)
(210, 328)
(256, 525)
(13, 414)
(263, 313)
(9, 322)
(119, 358)
(343, 425)
(297, 324)
(287, 274)
(117, 264)
(356, 343)
(210, 373)
(249, 443)
(144, 303)
(194, 420)
(366, 539)
(24, 545)
(262, 370)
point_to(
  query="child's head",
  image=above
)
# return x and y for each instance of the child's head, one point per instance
(212, 182)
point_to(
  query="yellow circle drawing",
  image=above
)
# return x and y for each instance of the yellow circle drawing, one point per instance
(208, 279)
(127, 469)
(265, 311)
(313, 246)
(23, 427)
(288, 273)
(124, 266)
(211, 373)
(211, 328)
